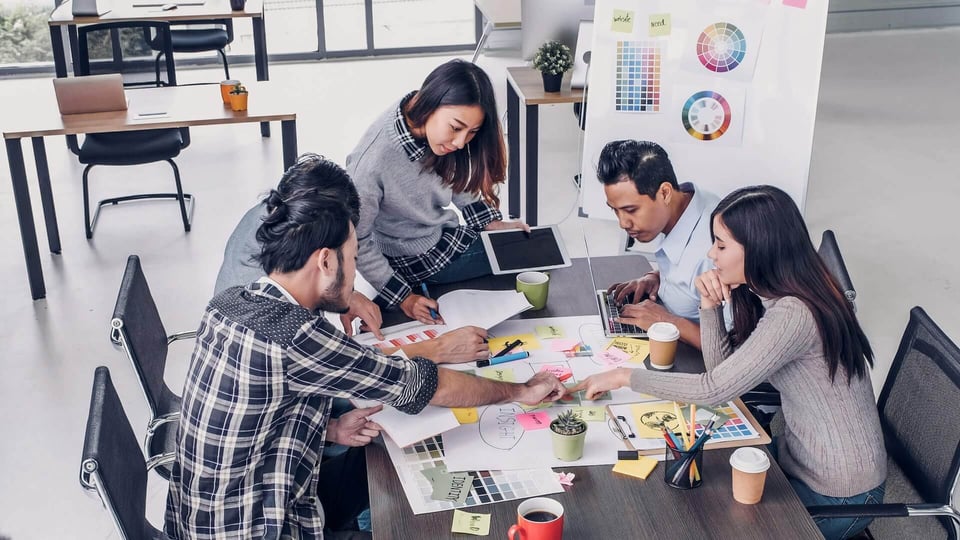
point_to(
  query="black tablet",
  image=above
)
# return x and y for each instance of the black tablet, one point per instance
(513, 250)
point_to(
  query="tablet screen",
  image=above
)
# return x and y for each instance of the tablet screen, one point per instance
(514, 251)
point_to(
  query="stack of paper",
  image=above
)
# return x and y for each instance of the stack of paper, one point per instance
(485, 309)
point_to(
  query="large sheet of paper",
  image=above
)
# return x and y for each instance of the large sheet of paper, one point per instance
(486, 309)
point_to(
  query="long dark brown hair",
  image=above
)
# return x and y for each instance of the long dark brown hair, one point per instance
(483, 164)
(779, 260)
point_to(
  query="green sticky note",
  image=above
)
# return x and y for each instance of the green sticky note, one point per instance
(659, 24)
(622, 21)
(467, 523)
(498, 374)
(591, 414)
(433, 473)
(549, 332)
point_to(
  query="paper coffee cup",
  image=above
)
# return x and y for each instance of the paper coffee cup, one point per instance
(663, 338)
(749, 474)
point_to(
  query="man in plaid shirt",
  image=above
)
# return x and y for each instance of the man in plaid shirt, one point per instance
(256, 402)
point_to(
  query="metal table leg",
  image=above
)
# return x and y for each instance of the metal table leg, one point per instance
(513, 157)
(533, 142)
(28, 231)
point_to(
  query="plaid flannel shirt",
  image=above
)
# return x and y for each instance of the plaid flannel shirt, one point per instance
(255, 409)
(412, 269)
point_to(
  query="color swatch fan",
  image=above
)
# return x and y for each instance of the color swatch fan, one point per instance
(721, 47)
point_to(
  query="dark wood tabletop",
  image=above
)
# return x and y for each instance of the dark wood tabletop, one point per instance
(601, 504)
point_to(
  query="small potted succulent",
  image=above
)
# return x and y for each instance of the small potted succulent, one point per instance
(552, 60)
(238, 97)
(568, 433)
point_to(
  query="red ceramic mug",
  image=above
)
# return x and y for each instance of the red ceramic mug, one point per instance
(539, 518)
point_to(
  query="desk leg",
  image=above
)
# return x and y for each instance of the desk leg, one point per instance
(533, 142)
(260, 58)
(46, 195)
(59, 55)
(28, 231)
(288, 132)
(513, 143)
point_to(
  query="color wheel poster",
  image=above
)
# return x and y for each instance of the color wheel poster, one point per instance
(725, 43)
(708, 113)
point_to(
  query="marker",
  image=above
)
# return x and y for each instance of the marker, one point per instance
(565, 376)
(502, 359)
(426, 293)
(509, 347)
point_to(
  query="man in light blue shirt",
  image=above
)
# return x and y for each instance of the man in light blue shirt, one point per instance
(642, 190)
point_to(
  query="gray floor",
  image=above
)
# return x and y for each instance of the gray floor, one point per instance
(884, 177)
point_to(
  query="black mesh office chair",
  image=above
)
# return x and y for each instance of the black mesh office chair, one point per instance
(112, 464)
(214, 35)
(918, 407)
(131, 147)
(137, 329)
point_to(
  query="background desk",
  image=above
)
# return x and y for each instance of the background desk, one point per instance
(526, 84)
(499, 15)
(601, 504)
(185, 106)
(123, 11)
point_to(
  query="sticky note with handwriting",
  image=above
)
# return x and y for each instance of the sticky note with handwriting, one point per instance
(466, 415)
(549, 332)
(497, 374)
(659, 24)
(534, 420)
(467, 523)
(622, 21)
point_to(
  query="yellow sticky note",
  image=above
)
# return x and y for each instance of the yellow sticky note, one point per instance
(549, 331)
(497, 374)
(649, 417)
(637, 468)
(659, 24)
(591, 414)
(622, 21)
(638, 349)
(467, 523)
(466, 415)
(497, 344)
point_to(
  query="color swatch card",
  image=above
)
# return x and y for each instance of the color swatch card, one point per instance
(639, 65)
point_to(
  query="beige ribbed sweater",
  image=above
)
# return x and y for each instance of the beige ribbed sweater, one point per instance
(832, 439)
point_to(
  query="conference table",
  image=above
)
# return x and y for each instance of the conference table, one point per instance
(601, 504)
(125, 11)
(166, 107)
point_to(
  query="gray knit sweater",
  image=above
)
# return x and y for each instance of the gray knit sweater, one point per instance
(832, 440)
(402, 207)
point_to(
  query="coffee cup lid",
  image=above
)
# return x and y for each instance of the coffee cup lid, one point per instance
(663, 331)
(750, 460)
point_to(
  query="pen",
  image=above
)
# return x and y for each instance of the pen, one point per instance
(509, 347)
(502, 359)
(426, 293)
(565, 377)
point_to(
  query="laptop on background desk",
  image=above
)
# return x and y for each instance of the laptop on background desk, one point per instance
(91, 94)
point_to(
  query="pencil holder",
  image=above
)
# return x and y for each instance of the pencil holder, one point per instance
(683, 470)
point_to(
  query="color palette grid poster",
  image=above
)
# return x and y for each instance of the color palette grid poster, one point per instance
(721, 47)
(638, 71)
(488, 486)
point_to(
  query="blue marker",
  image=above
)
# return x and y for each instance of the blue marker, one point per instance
(501, 359)
(433, 312)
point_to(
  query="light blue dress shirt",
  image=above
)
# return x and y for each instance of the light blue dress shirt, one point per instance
(682, 255)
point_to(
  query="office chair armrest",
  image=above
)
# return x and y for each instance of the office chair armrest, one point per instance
(181, 335)
(161, 420)
(859, 510)
(162, 459)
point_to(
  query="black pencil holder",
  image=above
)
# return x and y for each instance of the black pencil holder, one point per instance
(683, 470)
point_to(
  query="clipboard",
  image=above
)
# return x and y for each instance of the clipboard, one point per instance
(764, 436)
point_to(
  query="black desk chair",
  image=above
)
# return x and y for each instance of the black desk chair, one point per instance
(112, 464)
(137, 329)
(918, 406)
(132, 147)
(185, 38)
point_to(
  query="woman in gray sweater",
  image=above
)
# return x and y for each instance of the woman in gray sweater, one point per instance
(793, 327)
(435, 147)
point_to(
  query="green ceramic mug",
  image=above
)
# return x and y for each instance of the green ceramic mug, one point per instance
(535, 286)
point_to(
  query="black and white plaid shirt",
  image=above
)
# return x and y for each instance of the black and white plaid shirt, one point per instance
(413, 269)
(254, 414)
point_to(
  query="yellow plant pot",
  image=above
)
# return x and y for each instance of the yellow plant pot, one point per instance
(238, 102)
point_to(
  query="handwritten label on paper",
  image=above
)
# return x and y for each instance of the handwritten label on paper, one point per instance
(591, 414)
(549, 332)
(659, 24)
(452, 487)
(613, 356)
(498, 426)
(467, 523)
(558, 371)
(534, 420)
(638, 349)
(497, 374)
(622, 21)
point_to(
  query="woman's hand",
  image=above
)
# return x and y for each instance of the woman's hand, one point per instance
(500, 225)
(712, 291)
(596, 385)
(418, 307)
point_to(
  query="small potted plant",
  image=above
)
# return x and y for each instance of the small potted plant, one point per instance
(552, 60)
(569, 433)
(238, 97)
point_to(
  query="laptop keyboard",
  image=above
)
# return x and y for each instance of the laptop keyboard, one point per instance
(617, 327)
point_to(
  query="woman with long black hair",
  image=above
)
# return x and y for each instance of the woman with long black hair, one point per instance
(793, 327)
(439, 145)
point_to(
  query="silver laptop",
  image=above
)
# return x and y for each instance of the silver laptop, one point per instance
(609, 310)
(93, 94)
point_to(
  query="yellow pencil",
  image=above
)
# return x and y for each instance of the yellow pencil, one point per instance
(682, 424)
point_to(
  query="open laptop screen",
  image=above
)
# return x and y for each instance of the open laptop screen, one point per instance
(93, 94)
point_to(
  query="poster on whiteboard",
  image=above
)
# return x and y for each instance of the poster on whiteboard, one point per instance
(728, 87)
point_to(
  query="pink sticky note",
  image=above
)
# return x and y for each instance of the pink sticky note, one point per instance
(534, 420)
(802, 4)
(613, 356)
(560, 345)
(558, 371)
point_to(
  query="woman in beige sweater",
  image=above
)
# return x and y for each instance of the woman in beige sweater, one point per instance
(793, 327)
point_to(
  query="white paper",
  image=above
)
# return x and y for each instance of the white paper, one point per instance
(486, 309)
(406, 429)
